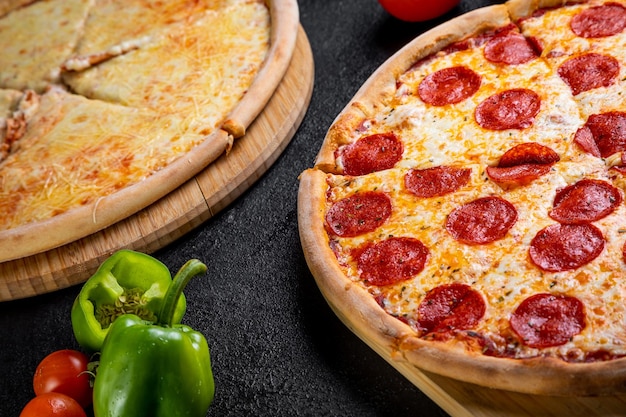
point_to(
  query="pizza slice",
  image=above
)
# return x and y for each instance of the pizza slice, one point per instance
(35, 40)
(198, 70)
(584, 45)
(89, 155)
(106, 35)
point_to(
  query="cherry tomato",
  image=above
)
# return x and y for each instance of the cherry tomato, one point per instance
(53, 404)
(417, 10)
(64, 371)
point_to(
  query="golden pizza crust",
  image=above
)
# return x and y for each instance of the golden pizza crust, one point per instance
(539, 376)
(72, 225)
(285, 20)
(341, 293)
(519, 9)
(394, 340)
(100, 117)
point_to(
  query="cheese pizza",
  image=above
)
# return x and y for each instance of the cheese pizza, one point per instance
(465, 214)
(108, 105)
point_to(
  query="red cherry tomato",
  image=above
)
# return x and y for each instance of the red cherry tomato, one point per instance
(53, 404)
(417, 10)
(64, 372)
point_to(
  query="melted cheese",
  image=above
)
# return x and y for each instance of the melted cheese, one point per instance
(35, 40)
(501, 271)
(85, 149)
(560, 43)
(219, 53)
(107, 35)
(9, 100)
(7, 6)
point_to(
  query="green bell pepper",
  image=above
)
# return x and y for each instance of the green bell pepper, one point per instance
(155, 370)
(126, 282)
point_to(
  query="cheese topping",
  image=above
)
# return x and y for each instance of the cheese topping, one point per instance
(36, 39)
(145, 90)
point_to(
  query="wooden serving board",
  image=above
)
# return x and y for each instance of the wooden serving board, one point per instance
(188, 206)
(462, 399)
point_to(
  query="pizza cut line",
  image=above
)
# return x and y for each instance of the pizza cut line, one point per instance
(466, 211)
(100, 115)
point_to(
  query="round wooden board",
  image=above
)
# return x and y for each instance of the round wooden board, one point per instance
(188, 206)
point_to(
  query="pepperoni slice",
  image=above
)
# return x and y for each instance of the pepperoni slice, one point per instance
(523, 163)
(528, 153)
(585, 201)
(359, 213)
(372, 153)
(589, 71)
(545, 320)
(511, 49)
(600, 21)
(449, 86)
(436, 181)
(603, 134)
(510, 109)
(518, 175)
(450, 307)
(563, 247)
(393, 260)
(482, 221)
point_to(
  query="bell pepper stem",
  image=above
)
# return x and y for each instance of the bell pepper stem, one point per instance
(189, 270)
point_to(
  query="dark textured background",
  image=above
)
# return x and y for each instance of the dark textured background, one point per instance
(277, 348)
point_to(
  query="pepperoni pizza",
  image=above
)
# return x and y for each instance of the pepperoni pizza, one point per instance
(465, 214)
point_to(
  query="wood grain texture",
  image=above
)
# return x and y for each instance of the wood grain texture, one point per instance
(184, 209)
